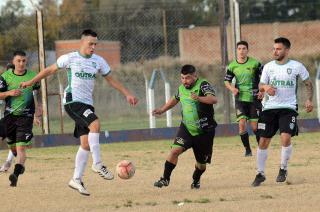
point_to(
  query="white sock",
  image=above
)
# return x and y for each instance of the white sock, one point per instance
(10, 157)
(262, 155)
(93, 139)
(285, 156)
(80, 163)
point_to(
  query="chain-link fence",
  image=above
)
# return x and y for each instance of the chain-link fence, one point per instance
(150, 39)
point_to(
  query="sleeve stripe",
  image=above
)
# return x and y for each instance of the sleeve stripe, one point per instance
(104, 75)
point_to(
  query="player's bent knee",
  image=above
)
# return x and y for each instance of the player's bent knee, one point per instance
(201, 166)
(176, 151)
(85, 146)
(94, 126)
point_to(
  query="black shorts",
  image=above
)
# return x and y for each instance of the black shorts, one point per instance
(83, 115)
(284, 120)
(18, 130)
(201, 144)
(248, 110)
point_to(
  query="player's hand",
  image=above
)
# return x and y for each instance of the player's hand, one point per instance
(235, 91)
(271, 91)
(157, 112)
(37, 121)
(132, 100)
(260, 95)
(25, 84)
(308, 106)
(15, 92)
(194, 96)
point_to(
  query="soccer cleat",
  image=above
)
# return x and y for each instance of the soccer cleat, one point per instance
(103, 171)
(282, 176)
(5, 167)
(161, 182)
(78, 185)
(195, 185)
(13, 179)
(258, 180)
(248, 153)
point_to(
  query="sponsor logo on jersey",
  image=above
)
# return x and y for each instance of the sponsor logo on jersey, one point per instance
(85, 75)
(282, 83)
(207, 89)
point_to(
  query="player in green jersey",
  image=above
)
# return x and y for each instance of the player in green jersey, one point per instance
(246, 71)
(197, 127)
(19, 112)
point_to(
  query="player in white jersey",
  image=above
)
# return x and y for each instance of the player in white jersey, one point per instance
(83, 67)
(279, 82)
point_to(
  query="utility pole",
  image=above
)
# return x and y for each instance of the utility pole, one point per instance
(235, 24)
(224, 59)
(45, 119)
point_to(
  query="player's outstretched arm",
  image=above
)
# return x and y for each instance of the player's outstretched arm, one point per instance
(41, 75)
(170, 104)
(5, 94)
(208, 99)
(309, 93)
(231, 88)
(117, 85)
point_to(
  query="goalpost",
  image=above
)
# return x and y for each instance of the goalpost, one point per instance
(151, 100)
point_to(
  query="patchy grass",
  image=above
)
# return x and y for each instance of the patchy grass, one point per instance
(225, 186)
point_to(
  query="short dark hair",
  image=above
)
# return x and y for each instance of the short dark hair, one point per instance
(20, 53)
(89, 32)
(188, 69)
(242, 42)
(284, 41)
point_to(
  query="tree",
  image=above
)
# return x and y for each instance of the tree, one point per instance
(16, 32)
(278, 10)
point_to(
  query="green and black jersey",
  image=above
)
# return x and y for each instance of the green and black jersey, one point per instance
(22, 105)
(247, 77)
(196, 116)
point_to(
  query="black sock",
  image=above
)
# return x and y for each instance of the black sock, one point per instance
(168, 167)
(197, 174)
(245, 140)
(18, 169)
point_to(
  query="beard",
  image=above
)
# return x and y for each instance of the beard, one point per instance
(279, 58)
(187, 86)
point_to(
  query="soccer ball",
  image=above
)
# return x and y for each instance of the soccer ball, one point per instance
(125, 169)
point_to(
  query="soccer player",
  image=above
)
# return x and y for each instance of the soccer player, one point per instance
(279, 81)
(19, 111)
(82, 67)
(246, 70)
(197, 128)
(7, 164)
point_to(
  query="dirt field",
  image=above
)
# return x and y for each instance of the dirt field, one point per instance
(224, 187)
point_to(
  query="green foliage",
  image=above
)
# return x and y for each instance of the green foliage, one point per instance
(278, 10)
